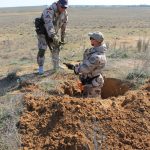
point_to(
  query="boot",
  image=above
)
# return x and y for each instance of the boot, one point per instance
(41, 70)
(40, 61)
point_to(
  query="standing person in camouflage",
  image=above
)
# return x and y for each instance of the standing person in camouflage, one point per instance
(94, 60)
(53, 18)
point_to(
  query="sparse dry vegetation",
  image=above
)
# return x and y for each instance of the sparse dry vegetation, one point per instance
(127, 36)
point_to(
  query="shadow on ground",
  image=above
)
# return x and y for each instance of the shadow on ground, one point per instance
(12, 82)
(112, 87)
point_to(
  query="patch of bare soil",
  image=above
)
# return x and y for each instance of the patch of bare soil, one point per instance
(65, 122)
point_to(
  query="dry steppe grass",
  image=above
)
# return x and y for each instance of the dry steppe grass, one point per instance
(127, 35)
(122, 27)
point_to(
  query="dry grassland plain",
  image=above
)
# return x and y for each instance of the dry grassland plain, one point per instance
(127, 35)
(123, 27)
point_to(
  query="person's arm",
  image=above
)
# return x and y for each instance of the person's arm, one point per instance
(48, 15)
(63, 27)
(90, 64)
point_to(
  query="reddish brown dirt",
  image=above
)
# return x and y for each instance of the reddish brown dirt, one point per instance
(69, 123)
(114, 87)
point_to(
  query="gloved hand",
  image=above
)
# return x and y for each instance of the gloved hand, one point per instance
(62, 43)
(62, 40)
(69, 66)
(56, 40)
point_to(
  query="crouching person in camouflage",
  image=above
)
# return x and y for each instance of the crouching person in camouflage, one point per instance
(94, 60)
(53, 18)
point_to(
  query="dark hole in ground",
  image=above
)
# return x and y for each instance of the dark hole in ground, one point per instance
(114, 87)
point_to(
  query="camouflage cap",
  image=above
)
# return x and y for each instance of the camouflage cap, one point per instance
(98, 36)
(63, 3)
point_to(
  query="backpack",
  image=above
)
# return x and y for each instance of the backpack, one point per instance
(39, 26)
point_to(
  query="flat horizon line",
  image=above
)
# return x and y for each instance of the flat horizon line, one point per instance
(140, 5)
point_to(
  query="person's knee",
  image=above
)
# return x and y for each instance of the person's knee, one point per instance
(90, 91)
(41, 53)
(86, 90)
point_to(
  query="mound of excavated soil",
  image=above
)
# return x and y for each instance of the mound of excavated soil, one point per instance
(69, 123)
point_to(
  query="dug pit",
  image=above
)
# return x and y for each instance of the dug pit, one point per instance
(112, 88)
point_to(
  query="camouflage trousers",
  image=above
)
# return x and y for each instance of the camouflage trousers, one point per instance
(43, 43)
(91, 92)
(94, 89)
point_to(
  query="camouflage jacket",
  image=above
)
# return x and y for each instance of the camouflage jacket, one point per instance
(54, 20)
(94, 60)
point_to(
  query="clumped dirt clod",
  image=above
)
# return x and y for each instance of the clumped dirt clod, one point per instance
(71, 88)
(71, 123)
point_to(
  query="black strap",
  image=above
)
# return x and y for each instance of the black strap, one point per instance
(88, 80)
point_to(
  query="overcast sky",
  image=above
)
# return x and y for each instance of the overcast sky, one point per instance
(13, 3)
